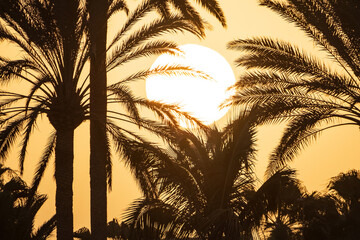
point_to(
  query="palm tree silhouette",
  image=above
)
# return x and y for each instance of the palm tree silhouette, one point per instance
(55, 50)
(293, 85)
(346, 187)
(276, 205)
(320, 217)
(198, 187)
(203, 186)
(334, 214)
(98, 11)
(49, 34)
(18, 206)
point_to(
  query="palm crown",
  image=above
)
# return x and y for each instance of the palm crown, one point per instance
(198, 186)
(292, 85)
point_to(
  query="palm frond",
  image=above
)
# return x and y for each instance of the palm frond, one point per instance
(116, 6)
(9, 135)
(157, 47)
(214, 8)
(326, 23)
(30, 125)
(45, 230)
(47, 154)
(156, 28)
(297, 135)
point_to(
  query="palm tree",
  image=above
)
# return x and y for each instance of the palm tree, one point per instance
(49, 35)
(292, 85)
(346, 187)
(198, 187)
(277, 204)
(18, 206)
(54, 51)
(98, 11)
(334, 214)
(203, 186)
(320, 217)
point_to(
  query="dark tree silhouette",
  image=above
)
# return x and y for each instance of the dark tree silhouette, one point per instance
(293, 85)
(334, 214)
(98, 11)
(198, 186)
(49, 35)
(114, 230)
(346, 187)
(277, 204)
(203, 186)
(19, 205)
(54, 51)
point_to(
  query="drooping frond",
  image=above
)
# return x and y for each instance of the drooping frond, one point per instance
(156, 28)
(330, 23)
(137, 15)
(30, 125)
(153, 48)
(47, 154)
(287, 84)
(266, 53)
(116, 6)
(214, 8)
(45, 230)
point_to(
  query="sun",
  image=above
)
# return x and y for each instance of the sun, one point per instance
(197, 96)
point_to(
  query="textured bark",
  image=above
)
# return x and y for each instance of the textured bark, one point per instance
(64, 179)
(98, 29)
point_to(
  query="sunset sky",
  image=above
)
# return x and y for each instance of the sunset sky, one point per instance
(336, 150)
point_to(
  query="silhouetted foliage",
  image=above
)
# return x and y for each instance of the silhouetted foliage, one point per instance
(293, 85)
(114, 231)
(196, 187)
(18, 207)
(133, 47)
(203, 186)
(52, 36)
(279, 209)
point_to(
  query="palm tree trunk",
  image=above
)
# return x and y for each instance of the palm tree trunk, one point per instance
(64, 158)
(98, 143)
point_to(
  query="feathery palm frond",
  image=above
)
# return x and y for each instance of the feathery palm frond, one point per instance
(290, 85)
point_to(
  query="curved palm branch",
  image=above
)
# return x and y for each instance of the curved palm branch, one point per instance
(289, 84)
(188, 10)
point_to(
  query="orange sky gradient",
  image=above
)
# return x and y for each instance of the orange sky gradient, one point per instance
(336, 150)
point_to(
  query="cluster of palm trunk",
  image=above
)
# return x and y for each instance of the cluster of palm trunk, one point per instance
(202, 186)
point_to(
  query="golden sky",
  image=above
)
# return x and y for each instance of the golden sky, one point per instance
(335, 151)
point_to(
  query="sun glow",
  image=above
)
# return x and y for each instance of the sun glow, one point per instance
(200, 97)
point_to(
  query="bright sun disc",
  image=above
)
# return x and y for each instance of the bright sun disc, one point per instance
(198, 96)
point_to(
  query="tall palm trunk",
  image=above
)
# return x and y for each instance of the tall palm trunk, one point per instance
(98, 143)
(64, 179)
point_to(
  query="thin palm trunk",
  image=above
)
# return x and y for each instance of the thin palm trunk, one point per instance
(64, 158)
(98, 143)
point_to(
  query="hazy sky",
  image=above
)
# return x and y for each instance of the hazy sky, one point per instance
(335, 151)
